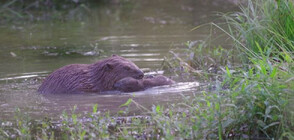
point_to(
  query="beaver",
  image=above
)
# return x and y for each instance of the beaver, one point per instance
(130, 84)
(96, 77)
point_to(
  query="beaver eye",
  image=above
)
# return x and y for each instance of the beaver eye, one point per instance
(127, 68)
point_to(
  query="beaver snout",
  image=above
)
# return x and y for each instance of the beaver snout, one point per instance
(140, 75)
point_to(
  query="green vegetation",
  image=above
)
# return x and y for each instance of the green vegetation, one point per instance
(263, 28)
(251, 101)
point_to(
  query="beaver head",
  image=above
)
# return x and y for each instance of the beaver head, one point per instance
(107, 72)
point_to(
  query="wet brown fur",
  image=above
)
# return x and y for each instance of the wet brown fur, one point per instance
(96, 77)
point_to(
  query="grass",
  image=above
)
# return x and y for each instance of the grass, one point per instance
(247, 101)
(263, 28)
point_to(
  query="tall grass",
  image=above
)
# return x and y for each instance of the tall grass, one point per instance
(251, 101)
(263, 27)
(256, 98)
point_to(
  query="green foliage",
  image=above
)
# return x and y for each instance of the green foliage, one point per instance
(255, 97)
(246, 103)
(262, 27)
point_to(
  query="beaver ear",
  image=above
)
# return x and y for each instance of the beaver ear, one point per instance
(114, 55)
(109, 66)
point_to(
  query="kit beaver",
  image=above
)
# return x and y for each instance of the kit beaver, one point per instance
(130, 84)
(96, 77)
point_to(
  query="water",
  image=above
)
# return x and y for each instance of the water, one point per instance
(143, 32)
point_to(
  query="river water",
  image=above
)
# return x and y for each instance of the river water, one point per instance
(142, 32)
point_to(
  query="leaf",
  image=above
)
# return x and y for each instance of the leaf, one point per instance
(208, 103)
(272, 124)
(197, 27)
(261, 123)
(184, 115)
(157, 109)
(194, 127)
(251, 72)
(121, 112)
(74, 108)
(74, 118)
(228, 72)
(170, 114)
(274, 72)
(129, 101)
(263, 68)
(268, 111)
(95, 108)
(83, 134)
(125, 131)
(217, 107)
(228, 122)
(242, 88)
(259, 48)
(287, 57)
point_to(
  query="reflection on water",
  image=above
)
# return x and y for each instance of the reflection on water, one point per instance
(24, 75)
(142, 32)
(176, 88)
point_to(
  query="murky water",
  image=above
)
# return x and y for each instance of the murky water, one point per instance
(142, 31)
